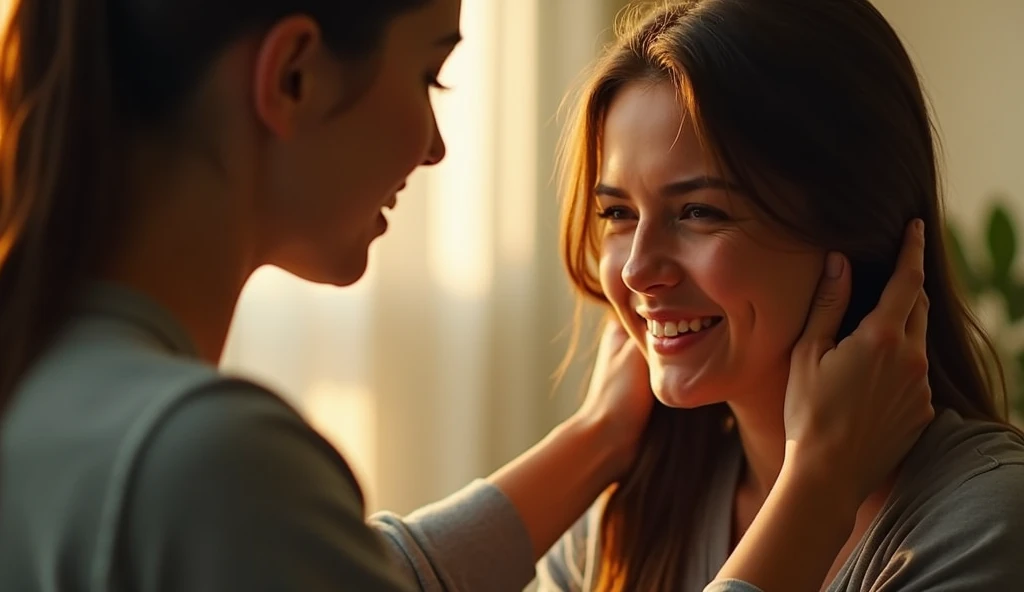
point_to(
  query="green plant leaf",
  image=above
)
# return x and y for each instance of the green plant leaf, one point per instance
(964, 273)
(1013, 296)
(1002, 243)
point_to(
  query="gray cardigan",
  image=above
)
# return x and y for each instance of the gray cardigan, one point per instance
(129, 466)
(953, 523)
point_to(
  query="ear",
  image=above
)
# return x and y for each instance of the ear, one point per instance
(282, 75)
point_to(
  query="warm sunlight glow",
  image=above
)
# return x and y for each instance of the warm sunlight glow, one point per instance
(346, 416)
(5, 13)
(517, 132)
(461, 207)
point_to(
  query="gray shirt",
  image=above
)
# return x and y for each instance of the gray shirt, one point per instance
(953, 522)
(127, 465)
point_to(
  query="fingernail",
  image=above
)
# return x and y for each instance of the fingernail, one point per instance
(834, 266)
(919, 226)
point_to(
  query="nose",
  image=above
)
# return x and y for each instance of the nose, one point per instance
(437, 150)
(652, 265)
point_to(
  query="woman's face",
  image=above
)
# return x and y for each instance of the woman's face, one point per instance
(715, 296)
(326, 183)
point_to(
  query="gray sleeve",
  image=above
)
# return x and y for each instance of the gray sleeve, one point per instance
(472, 541)
(731, 586)
(971, 540)
(562, 569)
(234, 491)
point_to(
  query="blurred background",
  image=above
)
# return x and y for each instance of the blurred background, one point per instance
(437, 368)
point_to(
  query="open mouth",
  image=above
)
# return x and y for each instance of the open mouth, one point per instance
(669, 329)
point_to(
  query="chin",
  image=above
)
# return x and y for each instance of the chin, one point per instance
(344, 271)
(685, 400)
(683, 392)
(347, 275)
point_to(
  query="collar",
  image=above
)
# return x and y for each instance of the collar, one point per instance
(122, 304)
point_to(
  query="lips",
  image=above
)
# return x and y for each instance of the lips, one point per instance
(393, 200)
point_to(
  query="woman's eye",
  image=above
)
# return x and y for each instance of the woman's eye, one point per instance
(702, 212)
(614, 213)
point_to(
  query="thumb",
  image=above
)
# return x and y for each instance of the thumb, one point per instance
(830, 301)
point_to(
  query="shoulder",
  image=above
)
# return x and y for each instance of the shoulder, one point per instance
(967, 467)
(967, 539)
(958, 523)
(232, 486)
(987, 498)
(230, 435)
(957, 456)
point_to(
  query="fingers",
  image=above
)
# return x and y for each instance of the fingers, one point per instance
(614, 334)
(829, 305)
(917, 322)
(900, 294)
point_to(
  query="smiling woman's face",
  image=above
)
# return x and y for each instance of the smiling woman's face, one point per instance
(715, 296)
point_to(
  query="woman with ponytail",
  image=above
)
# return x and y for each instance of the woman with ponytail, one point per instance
(153, 154)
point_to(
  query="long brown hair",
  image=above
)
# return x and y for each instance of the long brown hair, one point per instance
(817, 95)
(75, 75)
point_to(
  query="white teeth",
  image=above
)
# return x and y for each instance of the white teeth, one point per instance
(674, 329)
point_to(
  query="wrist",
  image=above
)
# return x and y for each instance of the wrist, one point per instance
(819, 482)
(598, 441)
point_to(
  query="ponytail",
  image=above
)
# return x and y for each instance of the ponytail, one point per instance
(75, 75)
(56, 119)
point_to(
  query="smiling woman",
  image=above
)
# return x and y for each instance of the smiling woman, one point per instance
(736, 267)
(721, 149)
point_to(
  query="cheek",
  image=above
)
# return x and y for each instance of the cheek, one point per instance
(404, 119)
(391, 133)
(613, 259)
(410, 126)
(769, 295)
(610, 273)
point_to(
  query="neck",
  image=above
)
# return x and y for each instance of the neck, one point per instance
(762, 433)
(185, 248)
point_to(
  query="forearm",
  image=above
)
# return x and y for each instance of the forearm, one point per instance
(794, 540)
(553, 483)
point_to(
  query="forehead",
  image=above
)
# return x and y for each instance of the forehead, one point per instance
(648, 132)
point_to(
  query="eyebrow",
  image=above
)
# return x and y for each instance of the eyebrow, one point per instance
(676, 189)
(449, 40)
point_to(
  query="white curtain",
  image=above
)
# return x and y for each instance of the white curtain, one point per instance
(436, 368)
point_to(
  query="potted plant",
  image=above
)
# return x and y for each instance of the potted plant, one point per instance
(996, 293)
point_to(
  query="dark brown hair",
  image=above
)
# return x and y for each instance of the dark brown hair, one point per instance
(813, 95)
(75, 75)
